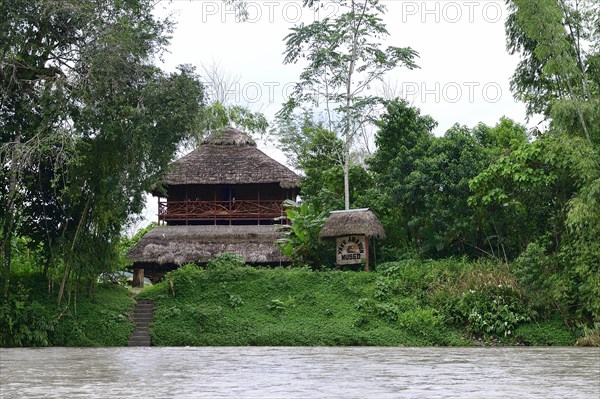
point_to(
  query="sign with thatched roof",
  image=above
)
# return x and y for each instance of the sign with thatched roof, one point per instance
(352, 230)
(350, 250)
(352, 222)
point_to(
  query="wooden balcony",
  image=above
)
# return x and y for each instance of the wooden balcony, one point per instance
(219, 211)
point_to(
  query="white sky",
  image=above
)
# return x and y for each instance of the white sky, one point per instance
(464, 67)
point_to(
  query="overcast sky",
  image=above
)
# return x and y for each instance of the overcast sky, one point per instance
(464, 66)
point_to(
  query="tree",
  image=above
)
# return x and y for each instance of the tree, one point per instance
(220, 112)
(560, 76)
(550, 188)
(344, 58)
(88, 123)
(403, 138)
(422, 182)
(316, 151)
(558, 63)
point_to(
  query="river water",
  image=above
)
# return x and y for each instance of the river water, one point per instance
(300, 372)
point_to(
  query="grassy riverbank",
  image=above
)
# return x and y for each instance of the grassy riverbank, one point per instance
(411, 303)
(31, 316)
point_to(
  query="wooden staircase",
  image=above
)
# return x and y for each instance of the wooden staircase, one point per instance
(142, 315)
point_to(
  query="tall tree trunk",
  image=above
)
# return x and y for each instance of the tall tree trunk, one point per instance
(346, 180)
(9, 219)
(348, 135)
(67, 271)
(63, 283)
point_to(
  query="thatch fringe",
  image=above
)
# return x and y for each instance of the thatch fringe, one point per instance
(352, 222)
(178, 245)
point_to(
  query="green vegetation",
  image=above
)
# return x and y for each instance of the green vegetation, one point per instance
(493, 231)
(410, 302)
(413, 303)
(31, 317)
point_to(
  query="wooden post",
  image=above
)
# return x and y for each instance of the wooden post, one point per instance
(367, 253)
(158, 210)
(138, 277)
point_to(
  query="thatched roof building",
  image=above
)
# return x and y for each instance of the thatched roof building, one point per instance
(225, 196)
(229, 157)
(178, 245)
(352, 222)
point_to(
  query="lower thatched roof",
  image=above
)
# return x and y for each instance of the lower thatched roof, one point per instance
(352, 222)
(179, 245)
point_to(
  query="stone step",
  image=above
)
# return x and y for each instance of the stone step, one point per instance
(140, 343)
(143, 315)
(144, 308)
(143, 311)
(140, 336)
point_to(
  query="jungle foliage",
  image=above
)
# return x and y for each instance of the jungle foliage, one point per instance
(87, 123)
(492, 230)
(530, 199)
(416, 303)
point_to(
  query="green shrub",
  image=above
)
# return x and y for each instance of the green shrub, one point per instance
(590, 336)
(491, 312)
(567, 281)
(24, 322)
(405, 303)
(226, 260)
(545, 333)
(30, 316)
(184, 280)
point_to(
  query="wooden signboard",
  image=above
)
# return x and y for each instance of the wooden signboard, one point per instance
(351, 250)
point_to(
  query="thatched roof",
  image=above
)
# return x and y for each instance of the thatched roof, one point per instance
(229, 136)
(229, 157)
(179, 245)
(352, 222)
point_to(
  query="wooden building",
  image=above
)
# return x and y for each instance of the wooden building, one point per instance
(225, 196)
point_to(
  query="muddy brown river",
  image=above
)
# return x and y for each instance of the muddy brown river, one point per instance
(300, 372)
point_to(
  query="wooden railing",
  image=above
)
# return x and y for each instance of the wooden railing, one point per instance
(219, 210)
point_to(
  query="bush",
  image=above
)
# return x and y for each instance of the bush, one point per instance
(24, 322)
(545, 333)
(30, 317)
(590, 337)
(225, 260)
(491, 312)
(183, 280)
(567, 281)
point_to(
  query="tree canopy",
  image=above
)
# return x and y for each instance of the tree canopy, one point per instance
(88, 122)
(344, 57)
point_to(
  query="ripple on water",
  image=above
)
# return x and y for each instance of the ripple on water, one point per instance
(300, 372)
